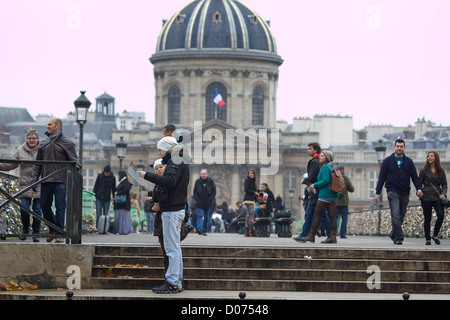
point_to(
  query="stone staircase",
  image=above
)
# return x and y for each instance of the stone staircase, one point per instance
(277, 269)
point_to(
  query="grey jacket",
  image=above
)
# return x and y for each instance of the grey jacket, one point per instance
(430, 182)
(24, 153)
(56, 147)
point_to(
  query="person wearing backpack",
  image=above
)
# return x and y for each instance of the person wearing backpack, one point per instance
(342, 204)
(312, 170)
(326, 197)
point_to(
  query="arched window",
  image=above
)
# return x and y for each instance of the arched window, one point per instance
(213, 111)
(173, 110)
(258, 107)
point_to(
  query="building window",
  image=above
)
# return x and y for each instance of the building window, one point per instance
(217, 17)
(290, 180)
(373, 179)
(174, 105)
(89, 179)
(212, 110)
(258, 107)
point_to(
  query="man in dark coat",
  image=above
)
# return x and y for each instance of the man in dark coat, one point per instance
(204, 194)
(55, 147)
(104, 187)
(396, 172)
(172, 200)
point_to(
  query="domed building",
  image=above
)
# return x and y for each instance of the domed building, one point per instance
(216, 45)
(223, 47)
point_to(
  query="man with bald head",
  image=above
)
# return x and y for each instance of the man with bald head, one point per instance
(55, 147)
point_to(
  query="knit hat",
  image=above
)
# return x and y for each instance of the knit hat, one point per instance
(329, 155)
(166, 143)
(107, 168)
(157, 163)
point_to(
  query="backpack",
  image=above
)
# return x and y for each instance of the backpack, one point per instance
(337, 181)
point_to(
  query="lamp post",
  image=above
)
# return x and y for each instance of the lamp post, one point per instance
(82, 105)
(380, 149)
(291, 195)
(121, 147)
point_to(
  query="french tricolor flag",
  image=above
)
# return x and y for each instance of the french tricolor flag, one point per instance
(218, 99)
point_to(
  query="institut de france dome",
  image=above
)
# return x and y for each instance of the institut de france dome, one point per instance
(216, 45)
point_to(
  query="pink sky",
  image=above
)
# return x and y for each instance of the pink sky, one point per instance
(382, 61)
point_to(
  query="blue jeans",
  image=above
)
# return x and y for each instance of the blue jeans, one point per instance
(58, 190)
(171, 221)
(150, 216)
(309, 218)
(202, 219)
(25, 216)
(342, 212)
(102, 208)
(398, 204)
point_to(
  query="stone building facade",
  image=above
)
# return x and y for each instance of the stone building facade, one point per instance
(223, 45)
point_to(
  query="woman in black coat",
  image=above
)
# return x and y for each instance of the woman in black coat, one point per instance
(122, 205)
(434, 188)
(250, 194)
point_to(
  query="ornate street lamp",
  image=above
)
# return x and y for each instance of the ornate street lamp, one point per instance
(140, 166)
(121, 147)
(291, 195)
(380, 149)
(82, 105)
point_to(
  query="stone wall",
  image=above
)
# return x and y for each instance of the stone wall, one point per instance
(46, 266)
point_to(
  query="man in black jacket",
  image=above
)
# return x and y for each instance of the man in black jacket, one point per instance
(172, 200)
(204, 194)
(396, 171)
(313, 169)
(104, 188)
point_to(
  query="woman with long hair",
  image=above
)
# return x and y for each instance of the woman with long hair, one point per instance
(326, 198)
(434, 183)
(250, 194)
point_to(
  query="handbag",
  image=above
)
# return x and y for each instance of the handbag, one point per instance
(445, 202)
(120, 199)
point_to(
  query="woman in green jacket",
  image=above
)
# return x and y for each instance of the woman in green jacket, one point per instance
(327, 198)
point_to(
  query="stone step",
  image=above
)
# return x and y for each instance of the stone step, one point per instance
(276, 269)
(286, 263)
(270, 274)
(276, 285)
(280, 252)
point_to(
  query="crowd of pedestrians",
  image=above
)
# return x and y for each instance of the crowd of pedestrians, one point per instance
(171, 214)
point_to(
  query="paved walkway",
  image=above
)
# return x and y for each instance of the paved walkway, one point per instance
(234, 239)
(220, 239)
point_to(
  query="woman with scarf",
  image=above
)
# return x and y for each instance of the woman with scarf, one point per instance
(326, 198)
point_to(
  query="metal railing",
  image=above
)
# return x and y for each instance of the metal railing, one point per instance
(72, 232)
(378, 222)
